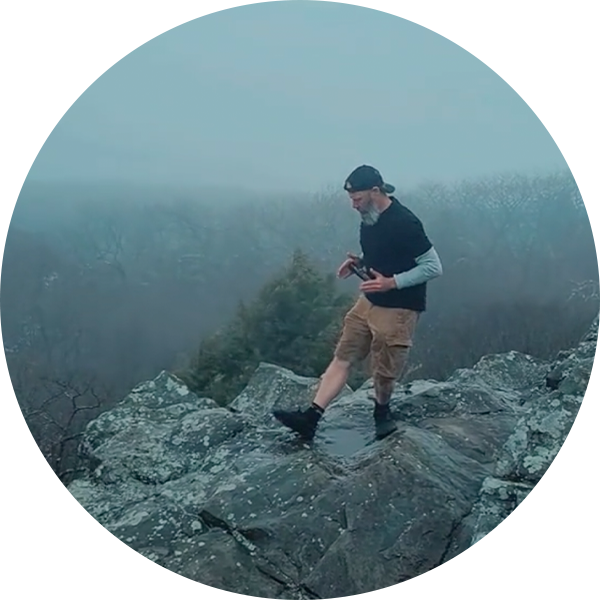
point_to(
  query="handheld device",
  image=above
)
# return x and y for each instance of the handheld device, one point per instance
(363, 272)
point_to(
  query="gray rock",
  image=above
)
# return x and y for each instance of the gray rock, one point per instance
(532, 542)
(540, 433)
(534, 530)
(571, 370)
(537, 438)
(230, 498)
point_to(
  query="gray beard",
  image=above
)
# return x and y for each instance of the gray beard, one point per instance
(371, 216)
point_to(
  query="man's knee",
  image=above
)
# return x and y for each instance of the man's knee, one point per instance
(388, 367)
(384, 386)
(340, 363)
(389, 363)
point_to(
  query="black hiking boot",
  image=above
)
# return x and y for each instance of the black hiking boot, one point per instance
(384, 421)
(303, 422)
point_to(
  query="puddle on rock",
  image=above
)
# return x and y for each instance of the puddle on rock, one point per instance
(344, 443)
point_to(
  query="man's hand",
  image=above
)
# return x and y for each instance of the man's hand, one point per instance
(378, 284)
(344, 270)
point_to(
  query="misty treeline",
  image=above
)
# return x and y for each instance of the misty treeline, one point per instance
(105, 285)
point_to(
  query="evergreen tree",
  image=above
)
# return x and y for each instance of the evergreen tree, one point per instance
(294, 322)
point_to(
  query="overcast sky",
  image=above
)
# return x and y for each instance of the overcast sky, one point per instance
(293, 96)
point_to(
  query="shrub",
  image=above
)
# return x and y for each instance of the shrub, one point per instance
(294, 321)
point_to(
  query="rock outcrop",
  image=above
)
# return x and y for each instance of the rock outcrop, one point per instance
(229, 498)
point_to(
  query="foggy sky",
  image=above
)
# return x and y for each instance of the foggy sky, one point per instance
(292, 96)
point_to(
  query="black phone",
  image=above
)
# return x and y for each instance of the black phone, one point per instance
(362, 272)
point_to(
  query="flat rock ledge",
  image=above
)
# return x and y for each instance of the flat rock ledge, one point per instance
(489, 490)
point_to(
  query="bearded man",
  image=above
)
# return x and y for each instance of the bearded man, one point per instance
(396, 263)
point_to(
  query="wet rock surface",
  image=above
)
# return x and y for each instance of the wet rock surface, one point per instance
(230, 498)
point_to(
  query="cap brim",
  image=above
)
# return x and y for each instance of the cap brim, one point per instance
(386, 188)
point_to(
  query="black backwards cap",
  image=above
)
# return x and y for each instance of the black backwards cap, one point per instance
(366, 178)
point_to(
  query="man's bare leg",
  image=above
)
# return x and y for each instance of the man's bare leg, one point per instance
(332, 382)
(384, 421)
(353, 346)
(384, 387)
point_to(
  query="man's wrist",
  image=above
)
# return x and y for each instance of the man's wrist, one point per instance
(397, 280)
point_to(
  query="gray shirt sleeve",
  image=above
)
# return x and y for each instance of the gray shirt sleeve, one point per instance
(428, 267)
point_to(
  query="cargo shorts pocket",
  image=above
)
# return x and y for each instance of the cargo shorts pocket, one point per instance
(394, 326)
(393, 330)
(402, 327)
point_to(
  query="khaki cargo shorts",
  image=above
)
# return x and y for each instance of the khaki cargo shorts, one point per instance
(384, 333)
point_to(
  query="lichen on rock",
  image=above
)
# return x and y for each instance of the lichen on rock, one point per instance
(207, 491)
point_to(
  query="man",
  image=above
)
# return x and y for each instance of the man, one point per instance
(399, 260)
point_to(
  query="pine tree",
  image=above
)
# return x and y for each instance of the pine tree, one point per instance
(293, 322)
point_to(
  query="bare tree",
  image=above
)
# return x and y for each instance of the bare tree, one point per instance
(41, 421)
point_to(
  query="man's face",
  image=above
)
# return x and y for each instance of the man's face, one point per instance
(363, 202)
(360, 200)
